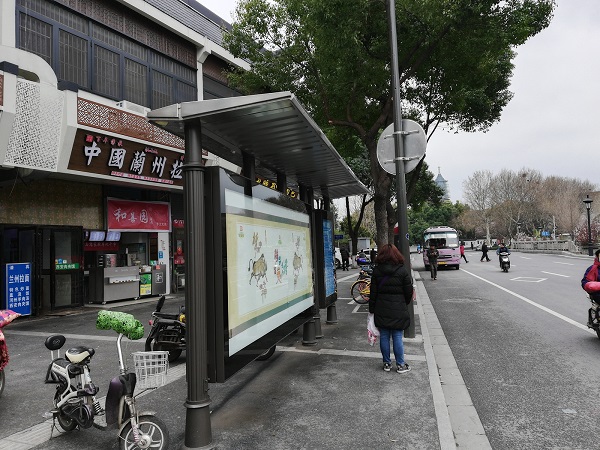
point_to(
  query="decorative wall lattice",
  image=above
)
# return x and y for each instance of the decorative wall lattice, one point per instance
(34, 140)
(117, 121)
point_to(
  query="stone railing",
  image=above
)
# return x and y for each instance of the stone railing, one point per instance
(548, 245)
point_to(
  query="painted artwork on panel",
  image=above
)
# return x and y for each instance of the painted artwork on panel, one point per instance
(269, 267)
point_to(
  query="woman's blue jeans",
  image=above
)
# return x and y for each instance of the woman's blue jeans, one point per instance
(384, 344)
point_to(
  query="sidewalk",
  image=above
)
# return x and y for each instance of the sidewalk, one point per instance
(331, 395)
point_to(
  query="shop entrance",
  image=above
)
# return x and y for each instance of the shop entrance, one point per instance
(55, 253)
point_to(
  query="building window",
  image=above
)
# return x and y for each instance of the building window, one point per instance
(100, 59)
(185, 93)
(73, 52)
(162, 90)
(106, 72)
(136, 82)
(35, 36)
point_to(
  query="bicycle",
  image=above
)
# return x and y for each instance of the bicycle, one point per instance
(361, 290)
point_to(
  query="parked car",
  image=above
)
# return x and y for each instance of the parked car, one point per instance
(362, 259)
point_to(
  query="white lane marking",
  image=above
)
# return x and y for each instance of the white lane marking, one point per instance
(537, 305)
(524, 257)
(347, 277)
(529, 279)
(68, 336)
(557, 274)
(574, 257)
(566, 264)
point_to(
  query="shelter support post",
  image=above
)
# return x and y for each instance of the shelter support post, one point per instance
(309, 332)
(249, 171)
(198, 433)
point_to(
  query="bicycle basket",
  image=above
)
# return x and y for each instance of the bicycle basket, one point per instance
(151, 368)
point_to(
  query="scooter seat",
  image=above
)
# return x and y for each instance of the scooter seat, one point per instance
(162, 315)
(78, 354)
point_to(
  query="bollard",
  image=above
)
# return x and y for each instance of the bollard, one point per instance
(331, 315)
(318, 330)
(309, 333)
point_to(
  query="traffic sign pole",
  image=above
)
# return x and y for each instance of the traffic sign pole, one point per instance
(399, 158)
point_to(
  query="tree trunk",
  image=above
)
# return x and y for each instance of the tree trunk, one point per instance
(381, 184)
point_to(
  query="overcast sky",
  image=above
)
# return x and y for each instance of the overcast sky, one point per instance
(550, 125)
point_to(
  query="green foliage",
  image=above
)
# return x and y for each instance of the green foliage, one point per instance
(426, 190)
(430, 215)
(455, 63)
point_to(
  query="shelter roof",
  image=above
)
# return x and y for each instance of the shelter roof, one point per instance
(276, 130)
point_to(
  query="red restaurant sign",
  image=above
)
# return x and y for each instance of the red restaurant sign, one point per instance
(128, 215)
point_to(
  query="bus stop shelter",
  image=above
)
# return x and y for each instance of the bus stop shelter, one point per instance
(272, 138)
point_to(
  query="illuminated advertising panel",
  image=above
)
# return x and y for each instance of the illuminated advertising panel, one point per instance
(269, 267)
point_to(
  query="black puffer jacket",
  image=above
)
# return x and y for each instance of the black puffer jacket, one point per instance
(391, 292)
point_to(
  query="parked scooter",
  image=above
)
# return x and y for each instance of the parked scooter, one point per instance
(167, 332)
(6, 317)
(594, 313)
(504, 261)
(75, 402)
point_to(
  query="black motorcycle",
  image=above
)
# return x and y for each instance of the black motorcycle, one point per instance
(167, 331)
(594, 313)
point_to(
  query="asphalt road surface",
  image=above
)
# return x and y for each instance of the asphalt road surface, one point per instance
(521, 344)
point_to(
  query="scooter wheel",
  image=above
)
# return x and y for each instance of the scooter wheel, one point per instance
(153, 434)
(266, 355)
(174, 354)
(66, 423)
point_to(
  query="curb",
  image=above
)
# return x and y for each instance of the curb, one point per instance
(459, 425)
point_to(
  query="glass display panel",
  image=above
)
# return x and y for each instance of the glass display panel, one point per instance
(269, 267)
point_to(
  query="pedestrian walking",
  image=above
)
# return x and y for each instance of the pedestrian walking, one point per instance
(373, 255)
(391, 292)
(462, 251)
(484, 252)
(432, 256)
(345, 258)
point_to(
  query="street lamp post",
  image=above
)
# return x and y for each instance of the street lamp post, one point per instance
(588, 205)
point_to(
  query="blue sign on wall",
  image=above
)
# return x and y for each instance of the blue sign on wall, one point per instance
(18, 287)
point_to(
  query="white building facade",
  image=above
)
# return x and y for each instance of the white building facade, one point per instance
(92, 192)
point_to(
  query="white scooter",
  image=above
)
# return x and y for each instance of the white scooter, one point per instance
(504, 261)
(75, 402)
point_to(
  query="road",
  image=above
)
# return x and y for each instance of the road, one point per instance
(521, 344)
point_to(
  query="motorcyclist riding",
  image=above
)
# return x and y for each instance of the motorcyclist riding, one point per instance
(591, 279)
(502, 248)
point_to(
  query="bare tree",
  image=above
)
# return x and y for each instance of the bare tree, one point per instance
(478, 193)
(515, 199)
(563, 201)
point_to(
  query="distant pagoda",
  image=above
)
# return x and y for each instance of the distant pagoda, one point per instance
(443, 185)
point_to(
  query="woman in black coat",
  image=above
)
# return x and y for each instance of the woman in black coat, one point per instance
(391, 292)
